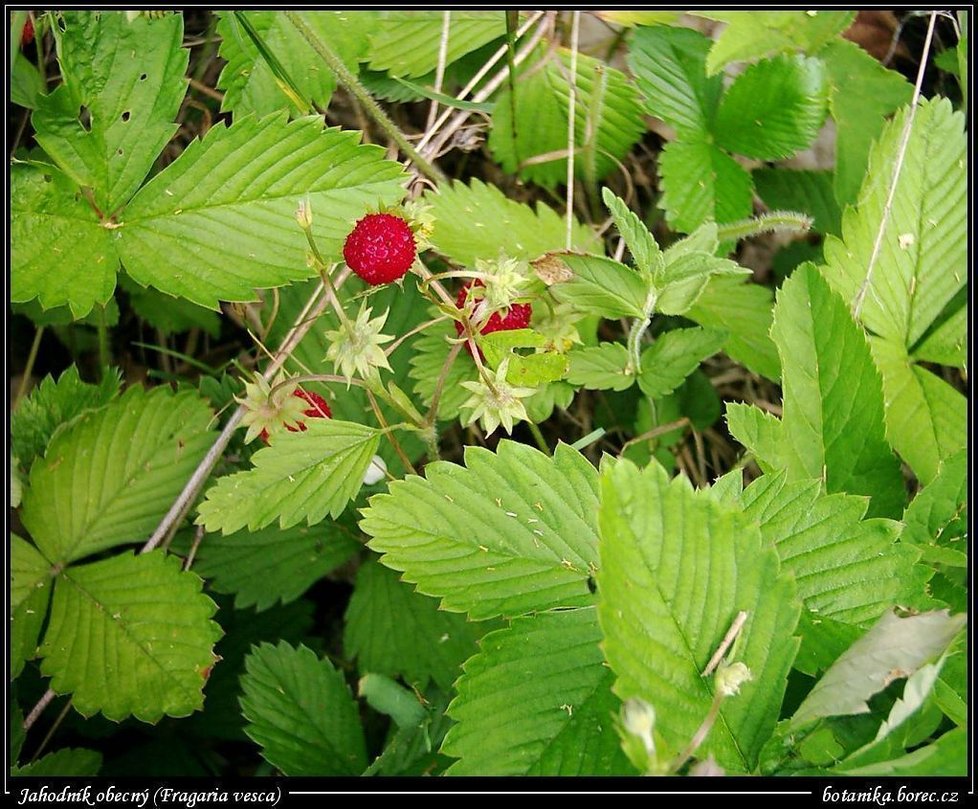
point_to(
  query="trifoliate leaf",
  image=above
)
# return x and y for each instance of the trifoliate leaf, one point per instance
(509, 533)
(537, 700)
(301, 476)
(111, 476)
(263, 567)
(773, 109)
(393, 630)
(676, 568)
(300, 711)
(130, 635)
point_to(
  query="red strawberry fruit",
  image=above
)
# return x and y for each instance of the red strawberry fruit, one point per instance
(319, 409)
(27, 33)
(518, 316)
(380, 249)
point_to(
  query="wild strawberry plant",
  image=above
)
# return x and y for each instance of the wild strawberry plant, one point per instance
(557, 472)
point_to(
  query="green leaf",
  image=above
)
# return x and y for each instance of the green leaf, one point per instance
(414, 750)
(674, 356)
(894, 647)
(30, 591)
(602, 286)
(418, 92)
(406, 309)
(59, 253)
(823, 640)
(686, 275)
(938, 515)
(248, 82)
(168, 314)
(601, 367)
(676, 568)
(607, 121)
(948, 755)
(26, 83)
(833, 427)
(847, 568)
(427, 362)
(946, 344)
(392, 699)
(537, 701)
(763, 33)
(272, 565)
(301, 476)
(68, 761)
(744, 311)
(243, 629)
(130, 635)
(128, 75)
(951, 689)
(669, 68)
(926, 419)
(300, 711)
(922, 257)
(646, 254)
(219, 221)
(478, 221)
(795, 190)
(110, 477)
(407, 42)
(893, 732)
(862, 95)
(773, 109)
(509, 533)
(53, 404)
(700, 183)
(393, 630)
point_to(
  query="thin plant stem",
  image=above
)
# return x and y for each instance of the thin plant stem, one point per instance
(538, 436)
(571, 113)
(29, 368)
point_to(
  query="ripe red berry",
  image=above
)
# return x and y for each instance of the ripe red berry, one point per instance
(319, 409)
(27, 33)
(380, 249)
(518, 316)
